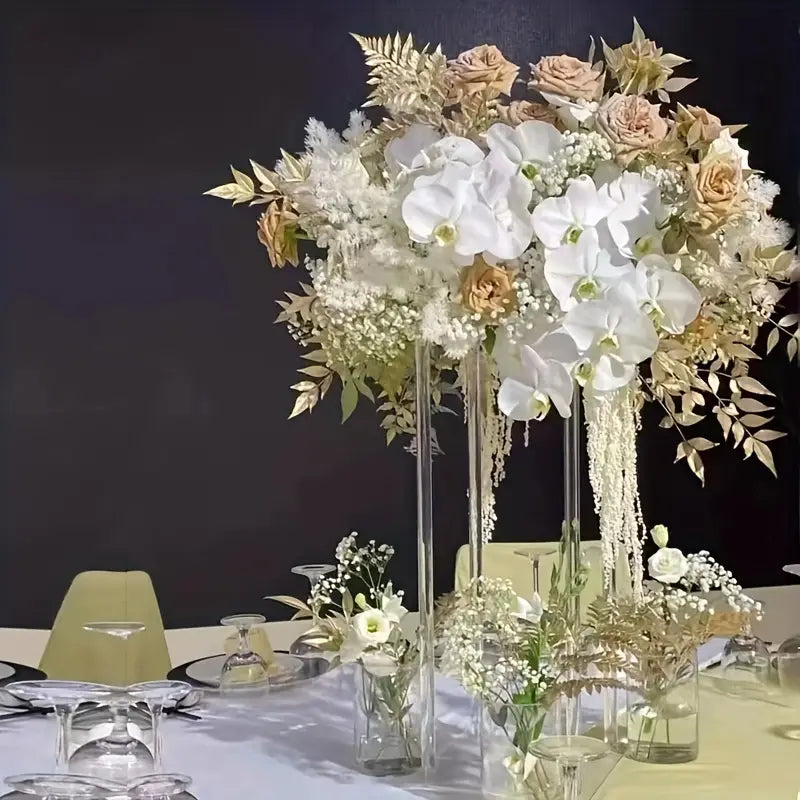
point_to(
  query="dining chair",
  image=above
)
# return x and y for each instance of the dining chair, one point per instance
(73, 653)
(503, 560)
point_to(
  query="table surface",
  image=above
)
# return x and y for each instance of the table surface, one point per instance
(300, 741)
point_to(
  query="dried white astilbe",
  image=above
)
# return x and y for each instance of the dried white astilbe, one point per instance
(612, 424)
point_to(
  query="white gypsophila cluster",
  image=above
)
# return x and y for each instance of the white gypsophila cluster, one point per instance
(444, 323)
(705, 574)
(670, 180)
(611, 425)
(362, 322)
(532, 312)
(580, 154)
(484, 615)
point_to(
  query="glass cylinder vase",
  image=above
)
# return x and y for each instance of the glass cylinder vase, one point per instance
(387, 720)
(509, 770)
(662, 710)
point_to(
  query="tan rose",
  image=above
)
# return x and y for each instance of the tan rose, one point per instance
(523, 111)
(716, 189)
(567, 76)
(487, 289)
(277, 231)
(632, 124)
(482, 69)
(697, 125)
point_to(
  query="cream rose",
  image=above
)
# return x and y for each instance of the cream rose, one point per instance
(716, 188)
(487, 289)
(667, 565)
(567, 76)
(482, 69)
(524, 111)
(632, 124)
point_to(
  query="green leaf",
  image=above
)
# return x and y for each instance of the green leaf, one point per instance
(349, 399)
(491, 338)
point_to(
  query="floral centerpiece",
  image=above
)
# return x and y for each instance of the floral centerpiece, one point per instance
(357, 615)
(661, 633)
(576, 226)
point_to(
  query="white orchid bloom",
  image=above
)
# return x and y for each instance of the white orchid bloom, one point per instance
(372, 627)
(536, 375)
(669, 298)
(573, 113)
(637, 210)
(447, 212)
(614, 336)
(507, 196)
(527, 147)
(582, 271)
(435, 159)
(562, 220)
(402, 152)
(529, 611)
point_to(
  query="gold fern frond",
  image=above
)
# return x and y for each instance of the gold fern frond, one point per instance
(404, 80)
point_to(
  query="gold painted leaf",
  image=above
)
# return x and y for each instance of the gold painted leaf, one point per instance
(290, 601)
(788, 320)
(738, 433)
(315, 371)
(265, 177)
(349, 399)
(754, 420)
(752, 385)
(764, 455)
(699, 443)
(772, 339)
(696, 465)
(713, 382)
(791, 348)
(244, 180)
(304, 402)
(316, 355)
(304, 386)
(766, 435)
(750, 404)
(725, 423)
(684, 449)
(231, 191)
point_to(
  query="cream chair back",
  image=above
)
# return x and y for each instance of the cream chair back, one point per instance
(501, 560)
(75, 654)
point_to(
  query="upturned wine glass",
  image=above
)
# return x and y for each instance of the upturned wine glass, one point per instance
(63, 697)
(244, 670)
(155, 695)
(305, 644)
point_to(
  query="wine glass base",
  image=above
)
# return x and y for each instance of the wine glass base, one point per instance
(115, 761)
(571, 749)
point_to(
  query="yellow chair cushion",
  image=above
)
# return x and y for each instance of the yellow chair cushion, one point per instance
(75, 654)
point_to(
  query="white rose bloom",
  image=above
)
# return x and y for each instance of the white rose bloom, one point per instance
(667, 565)
(372, 627)
(529, 611)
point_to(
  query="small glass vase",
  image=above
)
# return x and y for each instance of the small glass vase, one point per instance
(509, 771)
(662, 710)
(387, 720)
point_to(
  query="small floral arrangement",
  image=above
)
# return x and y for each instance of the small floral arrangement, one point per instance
(578, 228)
(357, 612)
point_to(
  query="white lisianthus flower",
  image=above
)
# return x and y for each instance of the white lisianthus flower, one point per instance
(613, 336)
(632, 221)
(562, 220)
(582, 271)
(667, 565)
(660, 534)
(529, 611)
(534, 376)
(528, 146)
(372, 627)
(447, 212)
(669, 298)
(379, 664)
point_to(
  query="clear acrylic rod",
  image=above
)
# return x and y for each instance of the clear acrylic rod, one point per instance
(425, 558)
(572, 497)
(473, 378)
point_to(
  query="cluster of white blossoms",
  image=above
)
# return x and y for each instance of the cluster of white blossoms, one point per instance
(706, 574)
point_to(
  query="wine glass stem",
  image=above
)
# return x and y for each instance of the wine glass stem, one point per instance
(244, 641)
(570, 780)
(64, 717)
(155, 711)
(119, 732)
